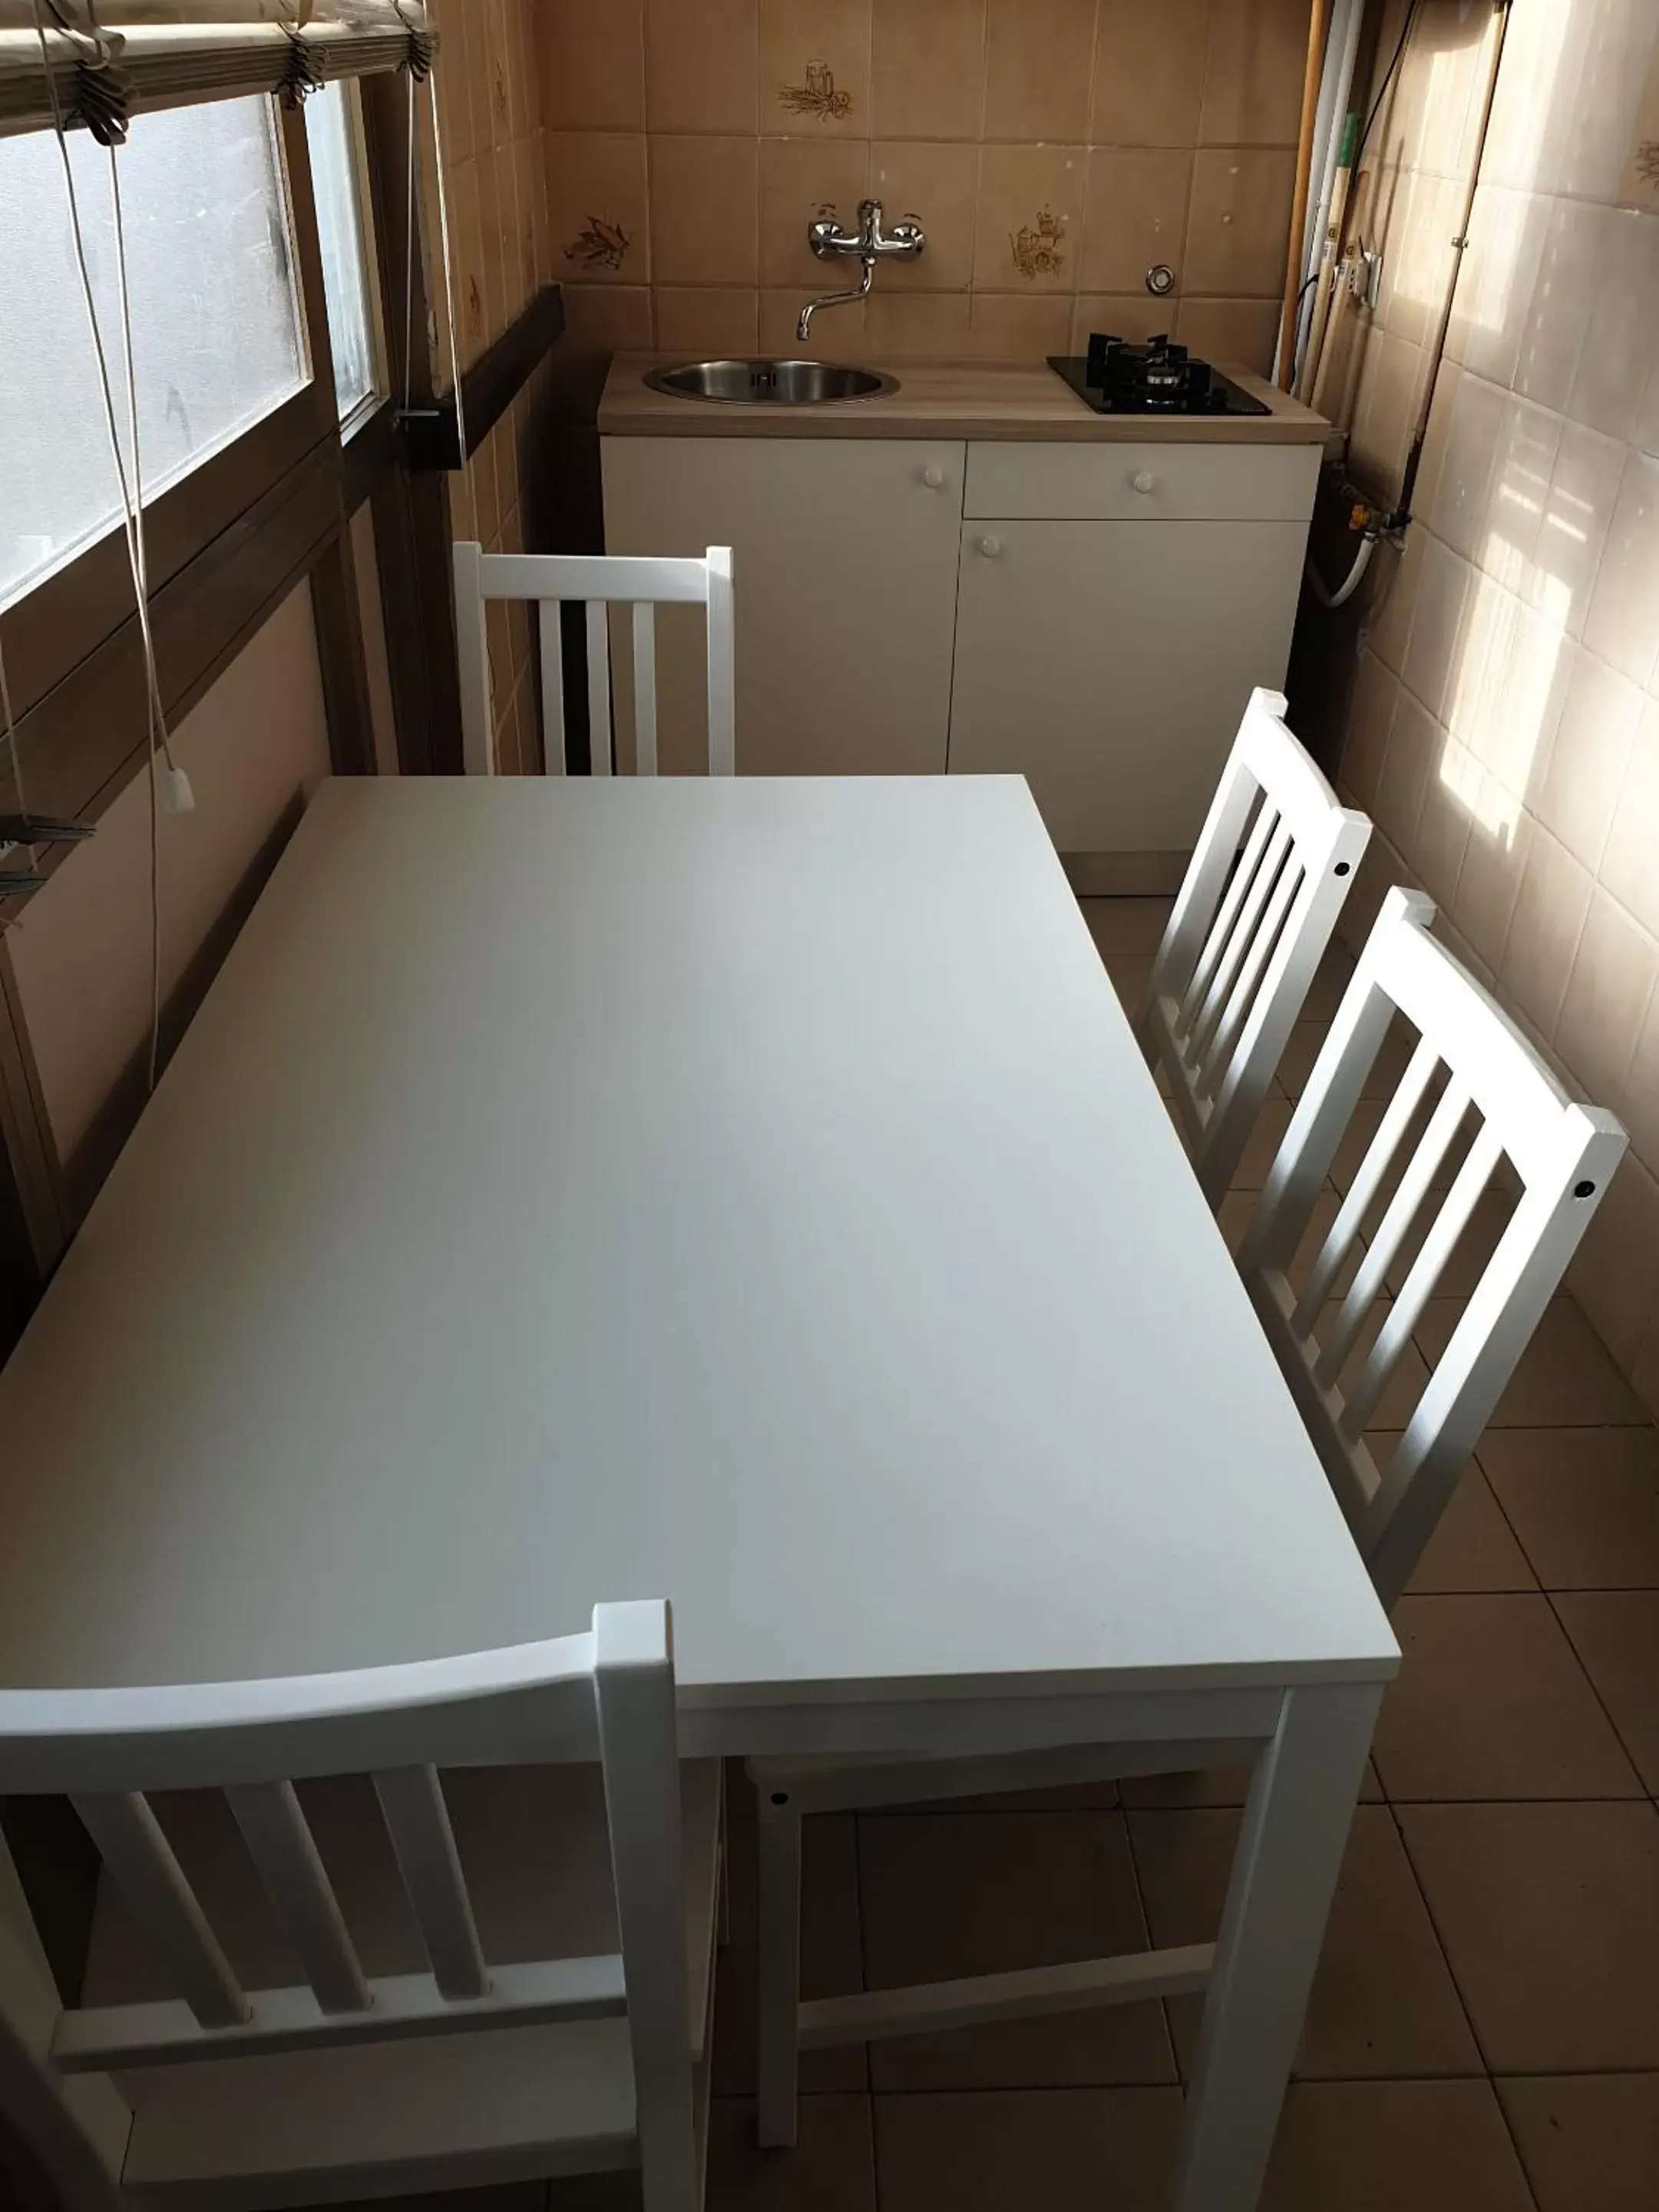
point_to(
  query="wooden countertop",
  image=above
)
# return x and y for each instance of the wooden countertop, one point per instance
(946, 399)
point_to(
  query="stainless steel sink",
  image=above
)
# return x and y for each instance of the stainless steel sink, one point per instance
(770, 383)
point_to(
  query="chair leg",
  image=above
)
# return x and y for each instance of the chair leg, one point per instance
(778, 1850)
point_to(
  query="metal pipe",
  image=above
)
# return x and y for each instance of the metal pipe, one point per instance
(1319, 24)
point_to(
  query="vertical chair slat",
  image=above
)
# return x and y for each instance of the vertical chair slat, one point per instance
(1402, 1210)
(554, 749)
(644, 688)
(1453, 1218)
(722, 663)
(1242, 995)
(473, 662)
(598, 689)
(1244, 875)
(284, 1851)
(154, 1888)
(1273, 861)
(417, 1819)
(1369, 1180)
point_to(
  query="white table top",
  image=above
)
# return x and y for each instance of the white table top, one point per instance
(746, 1192)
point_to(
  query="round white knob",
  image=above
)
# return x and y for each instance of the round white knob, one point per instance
(991, 548)
(933, 477)
(1143, 481)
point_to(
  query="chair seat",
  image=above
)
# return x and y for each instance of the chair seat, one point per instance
(517, 2101)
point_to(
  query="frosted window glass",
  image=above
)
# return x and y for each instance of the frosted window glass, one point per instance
(329, 130)
(216, 331)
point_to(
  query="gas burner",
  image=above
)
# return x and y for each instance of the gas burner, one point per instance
(1157, 378)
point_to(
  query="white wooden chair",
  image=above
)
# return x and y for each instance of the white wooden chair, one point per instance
(375, 1981)
(1496, 1096)
(1561, 1156)
(600, 582)
(1248, 930)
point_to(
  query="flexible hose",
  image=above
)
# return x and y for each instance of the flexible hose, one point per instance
(1351, 583)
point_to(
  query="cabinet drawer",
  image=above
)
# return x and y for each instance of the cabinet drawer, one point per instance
(1118, 483)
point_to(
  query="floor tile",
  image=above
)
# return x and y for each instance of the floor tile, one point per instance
(1469, 1257)
(830, 1954)
(1405, 1383)
(1584, 1502)
(1564, 1378)
(1491, 1702)
(1393, 2146)
(1550, 1916)
(1012, 2150)
(1262, 1146)
(1589, 2142)
(1357, 1140)
(1129, 932)
(832, 2167)
(950, 1895)
(1616, 1634)
(1382, 1999)
(1474, 1548)
(1307, 1041)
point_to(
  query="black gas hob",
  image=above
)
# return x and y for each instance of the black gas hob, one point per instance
(1157, 378)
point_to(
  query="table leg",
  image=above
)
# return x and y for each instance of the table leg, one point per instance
(1290, 1851)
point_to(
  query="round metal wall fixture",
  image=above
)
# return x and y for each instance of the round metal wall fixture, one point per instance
(1160, 279)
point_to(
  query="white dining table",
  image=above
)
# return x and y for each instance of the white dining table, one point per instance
(744, 1192)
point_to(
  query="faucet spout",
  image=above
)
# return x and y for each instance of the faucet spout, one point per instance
(860, 291)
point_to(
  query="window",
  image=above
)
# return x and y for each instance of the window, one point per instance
(218, 341)
(331, 134)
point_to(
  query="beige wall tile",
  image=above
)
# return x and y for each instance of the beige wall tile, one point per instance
(1240, 218)
(1385, 409)
(937, 185)
(1578, 791)
(1416, 742)
(1253, 81)
(1240, 332)
(1029, 217)
(596, 203)
(703, 65)
(607, 319)
(705, 210)
(1149, 72)
(1623, 622)
(1006, 326)
(1135, 214)
(1483, 905)
(815, 66)
(1039, 62)
(1608, 384)
(1445, 821)
(922, 326)
(1572, 531)
(709, 320)
(454, 79)
(1640, 1105)
(801, 178)
(1630, 863)
(1439, 624)
(592, 65)
(1496, 285)
(1607, 998)
(1550, 907)
(1564, 295)
(927, 69)
(1135, 316)
(1365, 744)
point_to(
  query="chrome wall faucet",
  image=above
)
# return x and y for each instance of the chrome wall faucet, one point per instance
(904, 242)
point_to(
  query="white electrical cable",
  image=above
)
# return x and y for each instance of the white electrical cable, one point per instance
(449, 273)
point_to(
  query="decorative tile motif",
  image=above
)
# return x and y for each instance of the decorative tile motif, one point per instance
(598, 244)
(817, 96)
(1037, 248)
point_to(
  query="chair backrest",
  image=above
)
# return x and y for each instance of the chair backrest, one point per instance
(607, 1695)
(1273, 864)
(1476, 1108)
(597, 581)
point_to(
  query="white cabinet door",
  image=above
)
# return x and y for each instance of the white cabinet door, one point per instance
(1109, 663)
(846, 558)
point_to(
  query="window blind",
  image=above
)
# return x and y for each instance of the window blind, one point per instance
(111, 59)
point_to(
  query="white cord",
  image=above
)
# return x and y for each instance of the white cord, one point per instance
(449, 274)
(409, 258)
(132, 521)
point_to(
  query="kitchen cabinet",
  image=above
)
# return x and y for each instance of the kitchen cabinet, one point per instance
(846, 588)
(1092, 617)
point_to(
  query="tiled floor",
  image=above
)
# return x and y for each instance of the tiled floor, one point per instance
(1483, 2034)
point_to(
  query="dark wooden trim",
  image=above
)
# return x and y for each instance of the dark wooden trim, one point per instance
(28, 1154)
(487, 388)
(370, 446)
(335, 609)
(87, 738)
